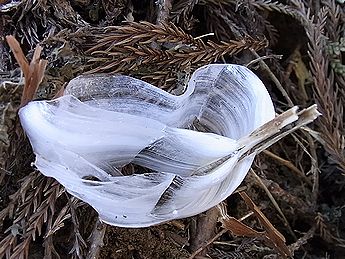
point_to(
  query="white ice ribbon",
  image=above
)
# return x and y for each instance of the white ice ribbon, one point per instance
(104, 122)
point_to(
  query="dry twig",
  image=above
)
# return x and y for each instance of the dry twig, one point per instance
(275, 204)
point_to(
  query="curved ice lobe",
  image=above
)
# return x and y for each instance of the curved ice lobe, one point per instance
(104, 122)
(227, 91)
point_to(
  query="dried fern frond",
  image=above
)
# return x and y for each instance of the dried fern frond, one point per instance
(272, 6)
(292, 10)
(10, 94)
(335, 20)
(334, 31)
(128, 48)
(267, 5)
(325, 92)
(236, 18)
(222, 21)
(271, 31)
(79, 244)
(37, 207)
(54, 223)
(31, 16)
(137, 33)
(113, 9)
(325, 231)
(181, 11)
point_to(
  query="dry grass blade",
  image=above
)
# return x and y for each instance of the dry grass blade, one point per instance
(18, 53)
(289, 165)
(273, 235)
(236, 227)
(33, 72)
(300, 206)
(274, 78)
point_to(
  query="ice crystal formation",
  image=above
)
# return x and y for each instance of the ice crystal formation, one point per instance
(188, 148)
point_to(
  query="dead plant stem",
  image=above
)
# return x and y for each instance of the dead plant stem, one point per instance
(275, 204)
(273, 77)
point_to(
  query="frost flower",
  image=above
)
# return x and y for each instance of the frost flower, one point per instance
(187, 148)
